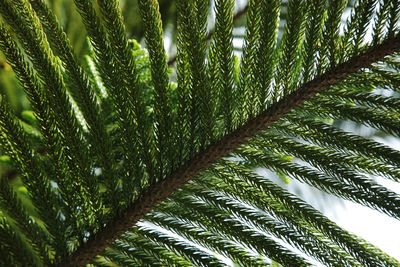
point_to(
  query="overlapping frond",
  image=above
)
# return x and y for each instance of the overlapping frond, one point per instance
(117, 138)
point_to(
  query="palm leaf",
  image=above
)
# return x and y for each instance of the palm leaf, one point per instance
(129, 163)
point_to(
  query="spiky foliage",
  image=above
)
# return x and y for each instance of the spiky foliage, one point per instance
(108, 156)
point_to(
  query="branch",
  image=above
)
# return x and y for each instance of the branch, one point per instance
(240, 13)
(163, 189)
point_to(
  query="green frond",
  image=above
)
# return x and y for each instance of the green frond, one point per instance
(376, 118)
(12, 208)
(331, 137)
(317, 156)
(199, 234)
(22, 252)
(47, 122)
(28, 29)
(267, 54)
(357, 26)
(329, 47)
(357, 188)
(381, 19)
(393, 18)
(34, 177)
(305, 241)
(221, 222)
(247, 86)
(81, 89)
(289, 59)
(270, 197)
(313, 37)
(122, 259)
(222, 76)
(183, 91)
(183, 248)
(201, 122)
(143, 245)
(122, 158)
(365, 99)
(120, 101)
(135, 249)
(163, 116)
(132, 92)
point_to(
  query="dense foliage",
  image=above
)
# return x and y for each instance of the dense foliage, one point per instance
(126, 161)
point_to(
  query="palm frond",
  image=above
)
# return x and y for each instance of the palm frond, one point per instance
(127, 162)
